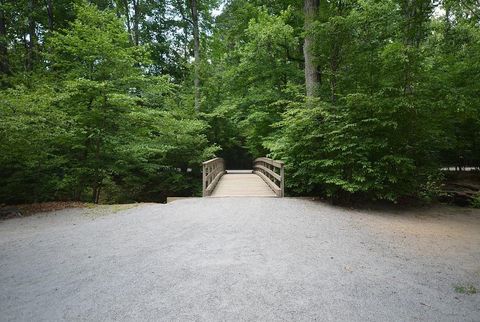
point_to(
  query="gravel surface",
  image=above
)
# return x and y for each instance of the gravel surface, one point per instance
(236, 259)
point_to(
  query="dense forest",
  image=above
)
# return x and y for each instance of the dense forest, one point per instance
(121, 100)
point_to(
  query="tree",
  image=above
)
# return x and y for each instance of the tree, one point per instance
(113, 100)
(4, 60)
(117, 135)
(368, 139)
(252, 77)
(196, 52)
(312, 78)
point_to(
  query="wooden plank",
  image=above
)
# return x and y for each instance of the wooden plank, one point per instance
(262, 182)
(212, 174)
(266, 164)
(212, 171)
(282, 182)
(213, 184)
(275, 163)
(211, 160)
(271, 172)
(242, 185)
(273, 186)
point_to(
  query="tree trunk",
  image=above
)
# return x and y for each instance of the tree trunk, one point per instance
(415, 17)
(196, 53)
(49, 5)
(32, 36)
(136, 30)
(312, 77)
(334, 65)
(96, 193)
(127, 16)
(4, 62)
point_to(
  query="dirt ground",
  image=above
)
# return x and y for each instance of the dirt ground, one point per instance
(242, 259)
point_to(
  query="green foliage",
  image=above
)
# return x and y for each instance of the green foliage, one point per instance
(468, 289)
(254, 76)
(31, 133)
(476, 202)
(356, 148)
(378, 129)
(96, 97)
(98, 123)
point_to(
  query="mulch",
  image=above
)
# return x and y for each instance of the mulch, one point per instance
(22, 210)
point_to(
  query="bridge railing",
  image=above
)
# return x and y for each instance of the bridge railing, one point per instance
(213, 170)
(272, 172)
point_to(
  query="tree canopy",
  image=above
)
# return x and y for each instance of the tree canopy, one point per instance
(121, 100)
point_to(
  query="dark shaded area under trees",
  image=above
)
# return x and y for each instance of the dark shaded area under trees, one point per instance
(121, 100)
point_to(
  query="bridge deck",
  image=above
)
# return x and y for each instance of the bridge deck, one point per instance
(266, 179)
(242, 185)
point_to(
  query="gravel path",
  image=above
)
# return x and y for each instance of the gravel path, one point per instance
(239, 259)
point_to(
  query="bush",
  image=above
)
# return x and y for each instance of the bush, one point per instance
(365, 147)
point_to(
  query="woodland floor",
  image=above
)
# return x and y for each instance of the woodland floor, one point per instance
(210, 259)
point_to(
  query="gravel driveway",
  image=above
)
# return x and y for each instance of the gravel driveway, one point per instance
(239, 259)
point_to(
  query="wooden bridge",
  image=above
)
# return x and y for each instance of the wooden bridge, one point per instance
(266, 179)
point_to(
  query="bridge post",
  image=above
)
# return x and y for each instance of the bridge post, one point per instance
(282, 180)
(204, 180)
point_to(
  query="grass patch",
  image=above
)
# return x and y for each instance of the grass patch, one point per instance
(466, 289)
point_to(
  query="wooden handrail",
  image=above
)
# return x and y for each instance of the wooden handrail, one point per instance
(213, 170)
(272, 172)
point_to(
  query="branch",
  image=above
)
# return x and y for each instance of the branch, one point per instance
(180, 9)
(472, 11)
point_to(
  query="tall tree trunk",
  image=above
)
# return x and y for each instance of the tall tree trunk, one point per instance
(127, 16)
(32, 36)
(312, 77)
(4, 63)
(136, 16)
(335, 55)
(96, 193)
(196, 52)
(415, 16)
(49, 4)
(334, 66)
